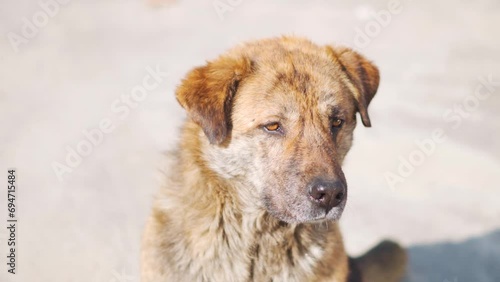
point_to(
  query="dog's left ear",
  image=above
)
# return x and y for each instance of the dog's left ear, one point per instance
(207, 93)
(363, 75)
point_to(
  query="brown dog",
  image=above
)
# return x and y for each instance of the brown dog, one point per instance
(256, 187)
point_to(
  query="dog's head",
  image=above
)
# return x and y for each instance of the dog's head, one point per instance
(278, 117)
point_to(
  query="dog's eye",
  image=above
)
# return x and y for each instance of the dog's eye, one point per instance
(272, 127)
(337, 123)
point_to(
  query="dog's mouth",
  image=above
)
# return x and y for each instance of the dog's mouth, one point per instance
(310, 214)
(333, 214)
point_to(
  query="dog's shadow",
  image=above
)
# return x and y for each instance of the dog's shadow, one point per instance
(474, 260)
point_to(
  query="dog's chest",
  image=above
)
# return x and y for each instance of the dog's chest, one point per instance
(274, 253)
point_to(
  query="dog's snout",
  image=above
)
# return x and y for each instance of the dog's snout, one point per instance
(327, 194)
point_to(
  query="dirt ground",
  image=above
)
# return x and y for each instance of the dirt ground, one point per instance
(426, 174)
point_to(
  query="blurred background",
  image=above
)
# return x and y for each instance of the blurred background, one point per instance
(427, 174)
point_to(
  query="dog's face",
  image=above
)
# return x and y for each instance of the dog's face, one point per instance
(279, 117)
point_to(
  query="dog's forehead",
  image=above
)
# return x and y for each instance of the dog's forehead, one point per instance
(309, 71)
(297, 86)
(291, 78)
(270, 97)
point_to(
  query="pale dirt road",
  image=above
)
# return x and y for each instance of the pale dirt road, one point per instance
(67, 77)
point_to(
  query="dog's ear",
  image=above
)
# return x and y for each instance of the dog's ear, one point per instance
(363, 75)
(207, 93)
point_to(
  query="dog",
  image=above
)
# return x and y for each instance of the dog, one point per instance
(255, 189)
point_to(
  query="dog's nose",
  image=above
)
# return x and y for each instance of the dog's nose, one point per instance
(327, 194)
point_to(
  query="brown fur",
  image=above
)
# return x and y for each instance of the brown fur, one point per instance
(235, 206)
